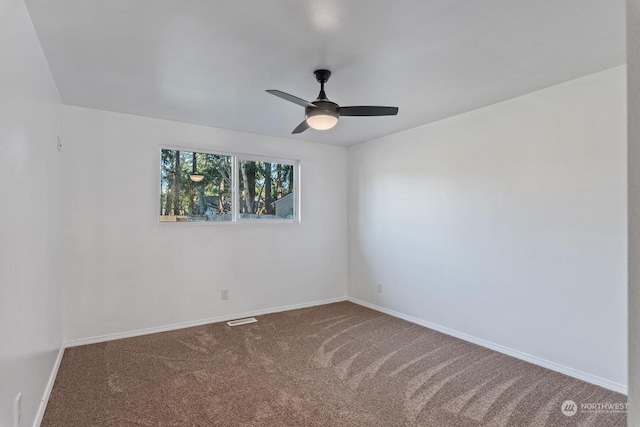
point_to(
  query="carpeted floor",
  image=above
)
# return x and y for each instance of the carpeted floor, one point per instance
(333, 365)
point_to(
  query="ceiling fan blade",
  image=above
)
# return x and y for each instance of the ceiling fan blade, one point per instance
(301, 127)
(290, 98)
(368, 111)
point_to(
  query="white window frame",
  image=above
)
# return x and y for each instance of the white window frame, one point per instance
(235, 182)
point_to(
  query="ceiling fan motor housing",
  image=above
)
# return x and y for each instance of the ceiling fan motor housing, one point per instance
(322, 106)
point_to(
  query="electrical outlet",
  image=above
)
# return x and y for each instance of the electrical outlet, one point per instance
(17, 410)
(380, 287)
(224, 294)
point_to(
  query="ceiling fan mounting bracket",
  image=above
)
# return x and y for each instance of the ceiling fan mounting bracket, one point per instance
(322, 76)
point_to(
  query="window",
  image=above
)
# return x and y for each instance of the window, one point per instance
(266, 190)
(195, 186)
(199, 187)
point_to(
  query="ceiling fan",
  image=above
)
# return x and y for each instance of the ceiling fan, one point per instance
(323, 114)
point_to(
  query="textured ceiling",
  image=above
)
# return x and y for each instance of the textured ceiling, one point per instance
(209, 62)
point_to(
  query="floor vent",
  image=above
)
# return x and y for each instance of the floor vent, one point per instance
(242, 321)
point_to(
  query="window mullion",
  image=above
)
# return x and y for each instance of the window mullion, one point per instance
(236, 194)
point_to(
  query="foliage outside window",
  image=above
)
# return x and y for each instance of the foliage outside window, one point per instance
(266, 190)
(195, 186)
(198, 187)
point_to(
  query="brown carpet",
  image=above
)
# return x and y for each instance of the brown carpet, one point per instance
(333, 365)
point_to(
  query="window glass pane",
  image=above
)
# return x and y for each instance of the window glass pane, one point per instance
(195, 186)
(266, 190)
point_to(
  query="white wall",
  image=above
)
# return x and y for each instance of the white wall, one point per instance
(30, 220)
(507, 223)
(633, 60)
(124, 271)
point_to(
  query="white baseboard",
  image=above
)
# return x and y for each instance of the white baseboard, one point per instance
(584, 376)
(225, 318)
(47, 390)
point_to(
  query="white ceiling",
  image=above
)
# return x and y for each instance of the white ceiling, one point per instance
(209, 62)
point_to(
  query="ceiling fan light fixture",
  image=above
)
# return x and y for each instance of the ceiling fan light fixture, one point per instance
(322, 119)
